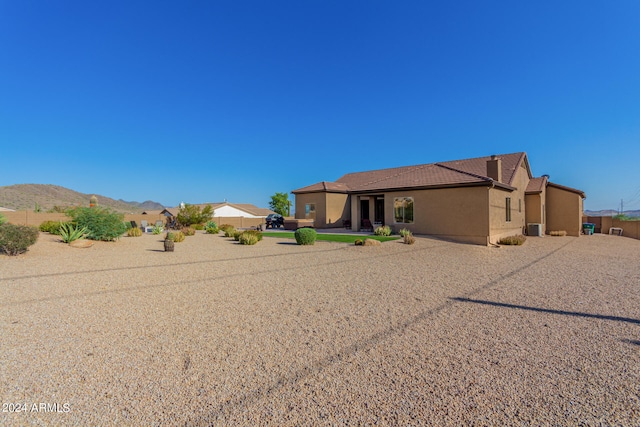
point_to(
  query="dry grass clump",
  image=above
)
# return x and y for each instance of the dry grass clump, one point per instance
(134, 232)
(409, 239)
(558, 233)
(371, 242)
(512, 240)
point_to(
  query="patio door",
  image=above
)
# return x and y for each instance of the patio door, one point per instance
(364, 209)
(379, 210)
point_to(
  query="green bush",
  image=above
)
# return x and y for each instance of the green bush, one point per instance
(358, 242)
(305, 236)
(197, 226)
(16, 239)
(71, 233)
(211, 230)
(236, 235)
(383, 230)
(250, 237)
(101, 223)
(193, 214)
(3, 219)
(211, 224)
(512, 240)
(224, 227)
(52, 227)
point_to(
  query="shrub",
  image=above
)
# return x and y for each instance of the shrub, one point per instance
(16, 239)
(52, 227)
(175, 236)
(358, 242)
(405, 232)
(224, 227)
(558, 233)
(197, 226)
(236, 235)
(188, 231)
(101, 223)
(212, 229)
(383, 230)
(409, 239)
(250, 237)
(256, 233)
(305, 236)
(3, 219)
(371, 242)
(210, 224)
(71, 233)
(512, 240)
(229, 231)
(193, 214)
(157, 229)
(134, 232)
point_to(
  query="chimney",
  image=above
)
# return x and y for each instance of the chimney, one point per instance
(494, 168)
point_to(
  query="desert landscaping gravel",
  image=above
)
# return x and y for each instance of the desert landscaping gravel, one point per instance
(216, 333)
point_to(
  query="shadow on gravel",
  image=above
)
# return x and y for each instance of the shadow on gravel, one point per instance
(550, 311)
(314, 368)
(634, 342)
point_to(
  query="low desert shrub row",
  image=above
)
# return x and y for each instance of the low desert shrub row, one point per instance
(175, 236)
(250, 237)
(101, 223)
(559, 233)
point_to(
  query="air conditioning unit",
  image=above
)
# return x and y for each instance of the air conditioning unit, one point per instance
(534, 230)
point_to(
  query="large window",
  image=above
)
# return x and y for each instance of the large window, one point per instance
(403, 209)
(310, 211)
(508, 208)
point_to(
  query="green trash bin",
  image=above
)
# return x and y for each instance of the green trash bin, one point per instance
(588, 228)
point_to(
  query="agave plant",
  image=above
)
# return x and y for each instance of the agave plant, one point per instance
(70, 232)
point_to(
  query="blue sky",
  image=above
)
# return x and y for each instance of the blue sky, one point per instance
(204, 101)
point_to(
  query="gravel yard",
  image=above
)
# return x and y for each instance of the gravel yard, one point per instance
(221, 334)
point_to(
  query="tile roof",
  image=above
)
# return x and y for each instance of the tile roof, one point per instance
(458, 172)
(536, 185)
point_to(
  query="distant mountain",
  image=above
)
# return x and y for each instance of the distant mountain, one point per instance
(47, 196)
(611, 212)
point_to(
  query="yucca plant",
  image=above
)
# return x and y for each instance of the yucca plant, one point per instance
(70, 233)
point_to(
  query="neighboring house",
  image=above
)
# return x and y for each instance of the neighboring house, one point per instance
(227, 210)
(474, 200)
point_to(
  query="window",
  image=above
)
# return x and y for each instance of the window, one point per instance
(403, 209)
(508, 208)
(519, 205)
(310, 211)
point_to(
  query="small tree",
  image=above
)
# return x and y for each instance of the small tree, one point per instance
(192, 214)
(280, 203)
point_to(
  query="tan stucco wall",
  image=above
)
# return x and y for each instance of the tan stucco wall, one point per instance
(338, 209)
(458, 214)
(535, 207)
(499, 227)
(331, 208)
(564, 211)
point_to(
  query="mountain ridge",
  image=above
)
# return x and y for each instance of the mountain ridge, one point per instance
(47, 197)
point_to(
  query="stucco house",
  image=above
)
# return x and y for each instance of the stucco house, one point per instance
(477, 200)
(227, 210)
